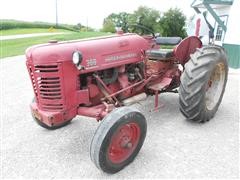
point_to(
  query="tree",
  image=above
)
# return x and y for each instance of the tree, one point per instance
(172, 23)
(120, 20)
(108, 26)
(116, 20)
(147, 17)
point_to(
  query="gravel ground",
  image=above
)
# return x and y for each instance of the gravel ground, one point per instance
(174, 147)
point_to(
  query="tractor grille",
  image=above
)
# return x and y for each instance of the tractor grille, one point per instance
(47, 85)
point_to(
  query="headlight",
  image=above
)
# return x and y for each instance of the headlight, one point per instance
(77, 58)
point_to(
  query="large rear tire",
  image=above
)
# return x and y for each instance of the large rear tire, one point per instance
(118, 139)
(203, 83)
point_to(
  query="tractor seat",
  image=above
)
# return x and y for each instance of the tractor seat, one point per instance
(159, 55)
(168, 40)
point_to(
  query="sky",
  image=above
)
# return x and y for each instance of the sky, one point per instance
(86, 12)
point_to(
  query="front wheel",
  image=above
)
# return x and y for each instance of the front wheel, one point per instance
(203, 83)
(118, 139)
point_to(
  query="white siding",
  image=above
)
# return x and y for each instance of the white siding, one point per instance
(233, 28)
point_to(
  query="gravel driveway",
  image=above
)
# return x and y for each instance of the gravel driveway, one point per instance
(19, 36)
(174, 147)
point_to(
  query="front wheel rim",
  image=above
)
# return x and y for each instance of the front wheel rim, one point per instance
(215, 86)
(123, 142)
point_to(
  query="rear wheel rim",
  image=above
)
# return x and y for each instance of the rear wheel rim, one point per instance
(123, 142)
(215, 86)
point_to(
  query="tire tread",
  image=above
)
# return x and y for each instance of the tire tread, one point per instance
(193, 81)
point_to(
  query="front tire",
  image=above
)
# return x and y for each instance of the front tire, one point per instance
(118, 139)
(203, 83)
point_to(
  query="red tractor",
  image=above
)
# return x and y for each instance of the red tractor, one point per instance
(101, 77)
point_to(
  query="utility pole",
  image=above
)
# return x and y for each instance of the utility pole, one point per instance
(87, 23)
(56, 13)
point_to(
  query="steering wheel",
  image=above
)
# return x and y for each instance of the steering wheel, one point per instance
(143, 28)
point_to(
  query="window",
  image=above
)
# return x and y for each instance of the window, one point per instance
(219, 33)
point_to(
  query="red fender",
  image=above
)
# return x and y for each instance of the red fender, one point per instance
(186, 47)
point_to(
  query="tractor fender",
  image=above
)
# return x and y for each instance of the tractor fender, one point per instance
(186, 47)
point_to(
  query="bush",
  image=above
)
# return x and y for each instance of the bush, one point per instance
(13, 24)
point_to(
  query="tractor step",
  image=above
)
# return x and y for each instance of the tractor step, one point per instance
(157, 88)
(161, 86)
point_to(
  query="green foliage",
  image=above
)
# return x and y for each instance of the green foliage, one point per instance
(144, 16)
(14, 24)
(116, 20)
(78, 26)
(172, 23)
(147, 17)
(120, 20)
(82, 28)
(108, 26)
(30, 31)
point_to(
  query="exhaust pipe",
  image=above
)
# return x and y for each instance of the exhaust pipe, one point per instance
(134, 99)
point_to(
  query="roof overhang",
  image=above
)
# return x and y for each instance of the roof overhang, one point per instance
(210, 5)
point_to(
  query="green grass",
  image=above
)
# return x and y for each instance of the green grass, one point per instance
(18, 46)
(28, 31)
(167, 47)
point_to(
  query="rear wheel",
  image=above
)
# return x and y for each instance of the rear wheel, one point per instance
(203, 83)
(118, 139)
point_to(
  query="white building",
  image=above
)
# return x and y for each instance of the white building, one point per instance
(223, 17)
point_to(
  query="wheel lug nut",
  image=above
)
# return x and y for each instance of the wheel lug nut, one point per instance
(129, 145)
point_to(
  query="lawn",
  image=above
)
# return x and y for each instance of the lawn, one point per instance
(15, 47)
(29, 31)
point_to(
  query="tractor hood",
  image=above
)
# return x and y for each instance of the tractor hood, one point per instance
(95, 52)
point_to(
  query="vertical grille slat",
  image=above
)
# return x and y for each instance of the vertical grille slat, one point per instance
(30, 70)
